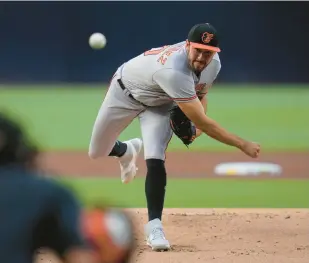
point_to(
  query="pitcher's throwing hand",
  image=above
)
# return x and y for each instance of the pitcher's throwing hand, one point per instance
(252, 149)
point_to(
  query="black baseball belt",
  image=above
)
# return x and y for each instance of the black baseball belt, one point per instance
(127, 92)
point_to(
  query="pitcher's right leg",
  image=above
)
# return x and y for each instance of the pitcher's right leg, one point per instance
(116, 113)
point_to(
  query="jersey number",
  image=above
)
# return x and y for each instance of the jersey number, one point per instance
(163, 58)
(155, 51)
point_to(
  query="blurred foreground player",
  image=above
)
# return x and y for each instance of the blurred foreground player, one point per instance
(38, 213)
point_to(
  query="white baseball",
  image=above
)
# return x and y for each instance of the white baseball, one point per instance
(97, 41)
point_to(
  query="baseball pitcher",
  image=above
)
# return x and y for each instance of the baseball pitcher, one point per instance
(165, 88)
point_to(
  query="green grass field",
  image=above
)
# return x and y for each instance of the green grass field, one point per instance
(61, 118)
(197, 193)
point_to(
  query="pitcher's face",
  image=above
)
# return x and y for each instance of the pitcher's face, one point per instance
(199, 58)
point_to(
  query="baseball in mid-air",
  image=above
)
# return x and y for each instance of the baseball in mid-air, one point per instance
(97, 41)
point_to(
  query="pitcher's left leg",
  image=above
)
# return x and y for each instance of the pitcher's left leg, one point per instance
(116, 113)
(156, 133)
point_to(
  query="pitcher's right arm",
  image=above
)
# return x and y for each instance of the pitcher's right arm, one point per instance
(180, 88)
(195, 112)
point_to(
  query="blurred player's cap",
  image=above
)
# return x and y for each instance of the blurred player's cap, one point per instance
(10, 136)
(204, 36)
(14, 144)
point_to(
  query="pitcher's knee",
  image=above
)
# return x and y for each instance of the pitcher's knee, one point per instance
(154, 152)
(93, 154)
(159, 156)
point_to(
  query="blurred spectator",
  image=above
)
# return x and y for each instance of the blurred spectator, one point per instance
(39, 213)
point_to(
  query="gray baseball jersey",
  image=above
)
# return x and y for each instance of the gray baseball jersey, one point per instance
(159, 75)
(156, 78)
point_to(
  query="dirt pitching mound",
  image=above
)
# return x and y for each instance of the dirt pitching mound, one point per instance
(226, 236)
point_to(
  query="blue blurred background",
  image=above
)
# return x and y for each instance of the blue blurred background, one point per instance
(48, 41)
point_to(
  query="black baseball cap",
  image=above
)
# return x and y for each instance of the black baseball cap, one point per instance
(204, 36)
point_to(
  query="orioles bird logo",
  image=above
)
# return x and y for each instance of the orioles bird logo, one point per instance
(207, 37)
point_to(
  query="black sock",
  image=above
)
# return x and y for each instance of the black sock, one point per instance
(155, 187)
(119, 149)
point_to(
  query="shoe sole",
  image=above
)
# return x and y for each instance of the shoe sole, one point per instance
(159, 248)
(135, 155)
